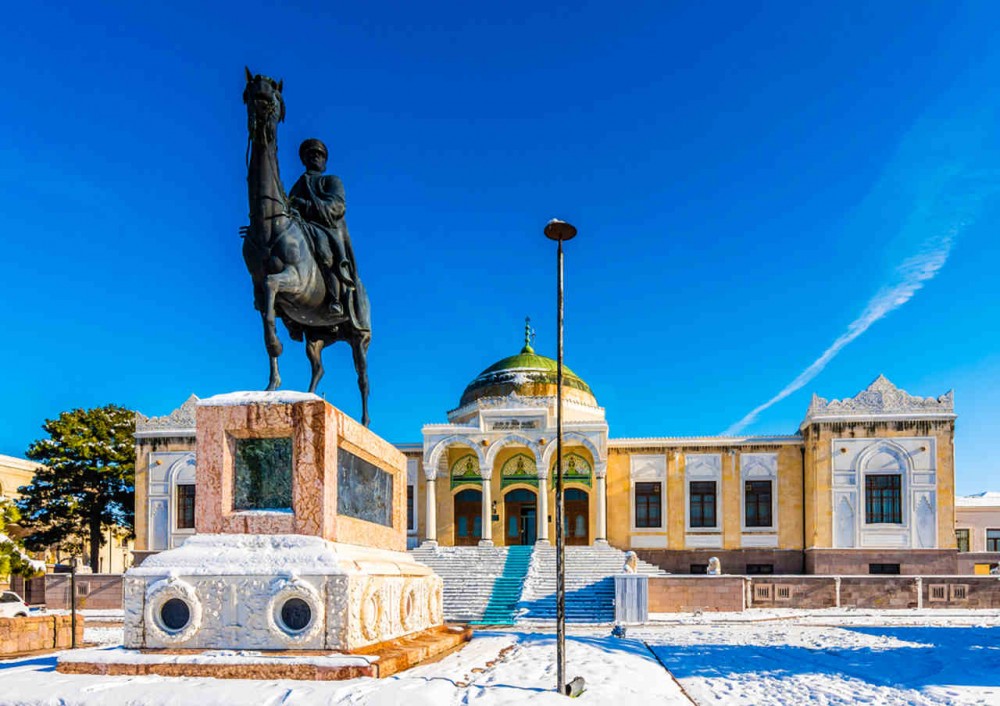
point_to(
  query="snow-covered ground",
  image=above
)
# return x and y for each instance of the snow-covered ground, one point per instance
(756, 657)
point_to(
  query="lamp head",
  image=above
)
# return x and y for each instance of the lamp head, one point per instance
(559, 230)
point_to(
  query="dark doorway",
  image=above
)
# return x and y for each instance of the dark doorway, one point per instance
(521, 517)
(468, 518)
(577, 525)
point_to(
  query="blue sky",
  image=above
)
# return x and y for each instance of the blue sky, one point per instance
(750, 184)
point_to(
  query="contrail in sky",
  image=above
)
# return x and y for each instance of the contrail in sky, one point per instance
(932, 189)
(912, 273)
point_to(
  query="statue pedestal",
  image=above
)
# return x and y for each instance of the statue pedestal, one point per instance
(301, 520)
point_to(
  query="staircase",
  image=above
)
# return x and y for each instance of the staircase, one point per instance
(500, 610)
(590, 584)
(504, 585)
(469, 575)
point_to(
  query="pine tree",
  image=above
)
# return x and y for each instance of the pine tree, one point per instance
(87, 479)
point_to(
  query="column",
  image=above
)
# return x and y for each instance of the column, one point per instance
(602, 520)
(543, 511)
(487, 539)
(430, 517)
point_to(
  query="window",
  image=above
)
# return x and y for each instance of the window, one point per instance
(993, 540)
(410, 524)
(892, 569)
(757, 503)
(962, 539)
(883, 501)
(702, 503)
(648, 505)
(699, 568)
(757, 569)
(185, 507)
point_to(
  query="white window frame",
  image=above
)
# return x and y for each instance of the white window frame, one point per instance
(181, 473)
(648, 468)
(756, 467)
(703, 467)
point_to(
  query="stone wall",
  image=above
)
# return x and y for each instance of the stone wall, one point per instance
(734, 561)
(912, 562)
(967, 561)
(35, 633)
(93, 591)
(883, 592)
(684, 594)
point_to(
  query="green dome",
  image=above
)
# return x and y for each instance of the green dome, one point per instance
(527, 374)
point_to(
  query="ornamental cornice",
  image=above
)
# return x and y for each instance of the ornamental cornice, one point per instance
(516, 401)
(180, 422)
(881, 399)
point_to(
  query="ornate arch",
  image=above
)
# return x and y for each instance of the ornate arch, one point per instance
(509, 440)
(178, 467)
(883, 445)
(517, 486)
(600, 464)
(434, 457)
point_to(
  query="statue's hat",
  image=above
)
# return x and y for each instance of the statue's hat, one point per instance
(312, 143)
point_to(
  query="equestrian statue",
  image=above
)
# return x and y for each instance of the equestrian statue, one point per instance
(297, 247)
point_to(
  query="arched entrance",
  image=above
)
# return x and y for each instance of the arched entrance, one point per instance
(520, 517)
(577, 518)
(468, 517)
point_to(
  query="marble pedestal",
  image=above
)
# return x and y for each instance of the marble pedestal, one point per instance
(237, 591)
(319, 564)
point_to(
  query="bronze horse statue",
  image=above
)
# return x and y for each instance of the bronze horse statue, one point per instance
(288, 281)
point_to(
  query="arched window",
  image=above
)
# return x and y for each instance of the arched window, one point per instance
(883, 489)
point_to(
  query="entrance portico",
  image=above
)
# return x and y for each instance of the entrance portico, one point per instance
(501, 442)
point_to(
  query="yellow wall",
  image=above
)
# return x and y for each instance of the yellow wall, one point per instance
(14, 473)
(788, 490)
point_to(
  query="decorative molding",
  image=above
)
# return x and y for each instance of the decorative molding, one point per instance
(759, 465)
(180, 422)
(881, 398)
(652, 467)
(702, 466)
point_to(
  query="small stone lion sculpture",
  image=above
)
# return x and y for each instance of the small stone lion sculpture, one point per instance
(714, 567)
(631, 563)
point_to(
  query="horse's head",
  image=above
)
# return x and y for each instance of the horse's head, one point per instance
(265, 106)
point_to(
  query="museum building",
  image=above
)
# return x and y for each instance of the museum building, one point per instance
(866, 484)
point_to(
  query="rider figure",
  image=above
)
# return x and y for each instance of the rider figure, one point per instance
(319, 199)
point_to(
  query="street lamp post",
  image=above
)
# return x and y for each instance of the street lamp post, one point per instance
(559, 231)
(72, 601)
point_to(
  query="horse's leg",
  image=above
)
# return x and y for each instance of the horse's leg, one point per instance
(314, 351)
(359, 346)
(282, 281)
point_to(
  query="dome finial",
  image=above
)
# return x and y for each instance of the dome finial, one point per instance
(529, 336)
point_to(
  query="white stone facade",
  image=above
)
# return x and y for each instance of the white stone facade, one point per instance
(914, 461)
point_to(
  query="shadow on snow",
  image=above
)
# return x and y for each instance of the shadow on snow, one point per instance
(947, 656)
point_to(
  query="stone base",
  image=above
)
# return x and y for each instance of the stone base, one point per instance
(277, 592)
(380, 660)
(912, 562)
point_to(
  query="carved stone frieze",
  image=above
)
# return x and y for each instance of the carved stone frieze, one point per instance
(181, 419)
(880, 398)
